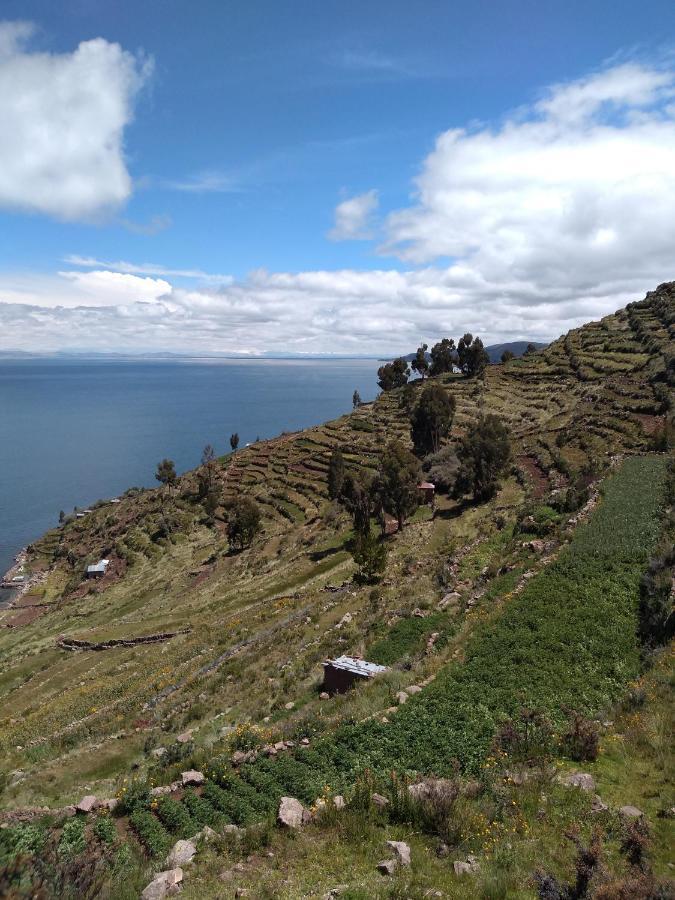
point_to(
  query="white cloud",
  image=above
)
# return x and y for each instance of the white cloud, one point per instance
(353, 218)
(63, 119)
(143, 268)
(570, 198)
(75, 290)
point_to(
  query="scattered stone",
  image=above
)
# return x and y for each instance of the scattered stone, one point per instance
(419, 613)
(339, 801)
(324, 695)
(291, 813)
(68, 812)
(450, 599)
(461, 868)
(160, 790)
(231, 829)
(630, 812)
(184, 738)
(280, 745)
(387, 866)
(579, 780)
(289, 705)
(16, 777)
(192, 776)
(305, 742)
(598, 806)
(87, 804)
(401, 697)
(335, 892)
(414, 689)
(182, 853)
(239, 757)
(379, 800)
(206, 834)
(401, 851)
(110, 805)
(158, 752)
(345, 620)
(164, 884)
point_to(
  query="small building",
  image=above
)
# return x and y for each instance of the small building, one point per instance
(428, 491)
(390, 525)
(98, 569)
(341, 674)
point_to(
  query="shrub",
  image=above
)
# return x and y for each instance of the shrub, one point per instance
(175, 817)
(528, 737)
(72, 839)
(133, 797)
(581, 739)
(635, 841)
(150, 832)
(104, 829)
(200, 810)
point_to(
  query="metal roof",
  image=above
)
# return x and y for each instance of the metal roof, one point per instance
(426, 486)
(356, 666)
(100, 566)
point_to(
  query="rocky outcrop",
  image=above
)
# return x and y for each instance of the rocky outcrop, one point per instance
(291, 813)
(66, 643)
(164, 884)
(182, 853)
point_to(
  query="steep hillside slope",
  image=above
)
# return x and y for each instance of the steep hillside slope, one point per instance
(190, 648)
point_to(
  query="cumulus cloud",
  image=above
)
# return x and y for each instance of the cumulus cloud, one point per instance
(63, 119)
(75, 290)
(570, 197)
(353, 218)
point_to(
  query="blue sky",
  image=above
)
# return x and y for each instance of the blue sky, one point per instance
(224, 137)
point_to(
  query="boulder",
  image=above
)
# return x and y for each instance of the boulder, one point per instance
(68, 811)
(87, 804)
(461, 868)
(182, 853)
(401, 851)
(206, 834)
(387, 867)
(192, 777)
(413, 689)
(185, 737)
(158, 752)
(290, 813)
(163, 885)
(160, 790)
(110, 804)
(581, 780)
(379, 800)
(339, 801)
(630, 812)
(289, 705)
(231, 829)
(324, 695)
(598, 806)
(401, 697)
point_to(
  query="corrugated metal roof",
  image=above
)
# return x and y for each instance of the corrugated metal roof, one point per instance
(100, 566)
(426, 486)
(357, 666)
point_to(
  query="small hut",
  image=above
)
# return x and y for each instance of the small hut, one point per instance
(428, 491)
(98, 570)
(341, 674)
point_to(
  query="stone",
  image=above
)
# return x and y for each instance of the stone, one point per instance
(401, 697)
(413, 689)
(597, 806)
(581, 780)
(379, 800)
(16, 777)
(158, 752)
(182, 853)
(335, 892)
(280, 745)
(206, 834)
(387, 866)
(241, 892)
(630, 812)
(289, 705)
(160, 790)
(69, 811)
(306, 816)
(401, 851)
(231, 829)
(291, 813)
(238, 757)
(345, 620)
(110, 804)
(462, 868)
(324, 695)
(87, 804)
(192, 776)
(442, 851)
(305, 742)
(450, 599)
(339, 801)
(164, 884)
(185, 737)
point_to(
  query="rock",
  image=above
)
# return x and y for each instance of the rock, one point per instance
(87, 804)
(442, 851)
(581, 780)
(387, 867)
(305, 742)
(379, 800)
(69, 811)
(401, 851)
(241, 892)
(182, 853)
(206, 834)
(450, 599)
(231, 829)
(306, 816)
(158, 752)
(414, 689)
(192, 777)
(345, 620)
(110, 804)
(324, 695)
(291, 813)
(280, 745)
(401, 697)
(335, 892)
(239, 757)
(419, 613)
(598, 806)
(630, 812)
(462, 868)
(339, 801)
(160, 790)
(289, 705)
(164, 884)
(185, 737)
(16, 777)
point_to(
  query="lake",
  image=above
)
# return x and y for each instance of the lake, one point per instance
(75, 431)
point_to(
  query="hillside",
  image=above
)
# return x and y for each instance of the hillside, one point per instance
(521, 601)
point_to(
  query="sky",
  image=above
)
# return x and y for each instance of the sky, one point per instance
(294, 177)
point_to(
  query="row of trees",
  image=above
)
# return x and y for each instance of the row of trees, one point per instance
(469, 356)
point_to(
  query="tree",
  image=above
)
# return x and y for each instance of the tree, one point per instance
(483, 455)
(211, 504)
(243, 521)
(420, 363)
(62, 517)
(393, 375)
(166, 473)
(441, 468)
(443, 357)
(530, 349)
(356, 496)
(356, 400)
(336, 474)
(370, 555)
(234, 441)
(472, 355)
(395, 486)
(209, 464)
(432, 419)
(508, 355)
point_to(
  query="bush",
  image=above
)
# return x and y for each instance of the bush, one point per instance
(104, 829)
(201, 811)
(72, 839)
(581, 740)
(133, 797)
(150, 832)
(528, 737)
(175, 817)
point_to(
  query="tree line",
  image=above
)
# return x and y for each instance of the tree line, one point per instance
(469, 356)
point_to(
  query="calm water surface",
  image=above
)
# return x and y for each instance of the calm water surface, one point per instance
(72, 432)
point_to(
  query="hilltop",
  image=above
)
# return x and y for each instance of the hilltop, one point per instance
(185, 651)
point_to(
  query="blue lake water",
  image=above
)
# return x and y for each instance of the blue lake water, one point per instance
(73, 431)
